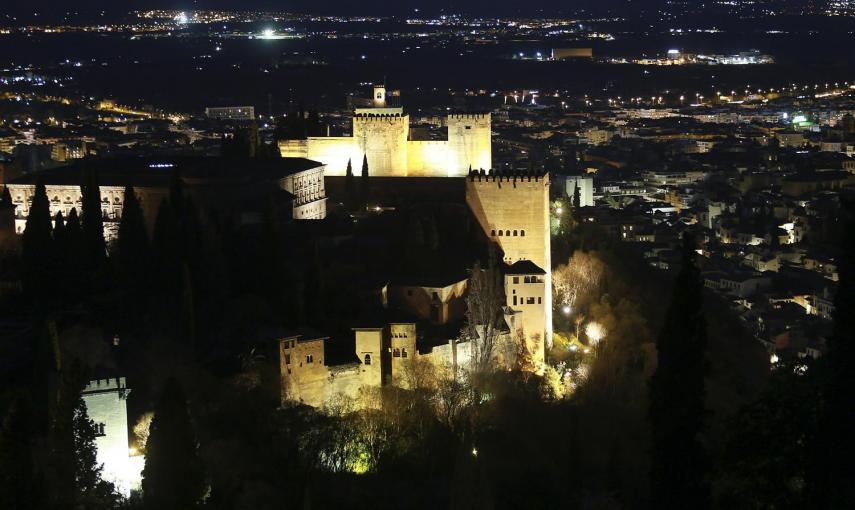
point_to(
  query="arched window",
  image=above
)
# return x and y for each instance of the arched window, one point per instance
(507, 232)
(500, 233)
(367, 359)
(522, 233)
(403, 352)
(515, 233)
(493, 233)
(396, 352)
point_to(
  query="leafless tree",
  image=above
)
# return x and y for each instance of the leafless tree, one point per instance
(484, 319)
(579, 277)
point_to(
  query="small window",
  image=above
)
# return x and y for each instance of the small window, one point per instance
(540, 301)
(515, 233)
(100, 430)
(287, 359)
(529, 301)
(309, 359)
(516, 279)
(367, 359)
(493, 233)
(403, 352)
(515, 301)
(522, 233)
(507, 233)
(396, 353)
(500, 233)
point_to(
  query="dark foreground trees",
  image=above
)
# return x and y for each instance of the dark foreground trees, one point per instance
(679, 460)
(173, 477)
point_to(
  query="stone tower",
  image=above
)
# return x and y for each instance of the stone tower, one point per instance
(469, 143)
(106, 405)
(382, 136)
(513, 211)
(379, 98)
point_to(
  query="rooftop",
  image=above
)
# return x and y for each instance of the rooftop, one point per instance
(157, 172)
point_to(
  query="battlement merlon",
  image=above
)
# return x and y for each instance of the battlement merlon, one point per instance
(508, 176)
(105, 385)
(470, 116)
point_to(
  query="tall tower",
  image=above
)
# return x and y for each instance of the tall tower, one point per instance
(469, 143)
(106, 405)
(513, 211)
(382, 137)
(379, 98)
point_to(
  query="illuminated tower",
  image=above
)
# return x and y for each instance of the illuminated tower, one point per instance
(513, 211)
(469, 143)
(379, 96)
(107, 407)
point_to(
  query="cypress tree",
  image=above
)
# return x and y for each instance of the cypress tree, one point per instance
(364, 183)
(349, 188)
(577, 198)
(37, 246)
(132, 244)
(75, 259)
(92, 492)
(17, 468)
(173, 476)
(679, 462)
(93, 220)
(831, 473)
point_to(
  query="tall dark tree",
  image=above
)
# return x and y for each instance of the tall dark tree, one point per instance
(132, 258)
(364, 182)
(91, 490)
(37, 246)
(833, 472)
(577, 198)
(93, 220)
(173, 477)
(679, 461)
(132, 245)
(18, 486)
(350, 198)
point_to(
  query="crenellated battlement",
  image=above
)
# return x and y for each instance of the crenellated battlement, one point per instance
(368, 117)
(101, 385)
(469, 116)
(507, 176)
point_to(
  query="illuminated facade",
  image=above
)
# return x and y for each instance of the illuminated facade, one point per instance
(106, 405)
(207, 180)
(382, 134)
(513, 210)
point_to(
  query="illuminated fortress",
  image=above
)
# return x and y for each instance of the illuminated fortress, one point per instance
(382, 134)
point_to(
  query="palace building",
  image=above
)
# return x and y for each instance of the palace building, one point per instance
(421, 321)
(382, 135)
(234, 186)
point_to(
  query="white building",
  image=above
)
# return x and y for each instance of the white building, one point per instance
(586, 189)
(106, 404)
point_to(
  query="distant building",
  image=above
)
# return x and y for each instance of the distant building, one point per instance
(586, 189)
(231, 112)
(236, 187)
(107, 407)
(382, 135)
(565, 53)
